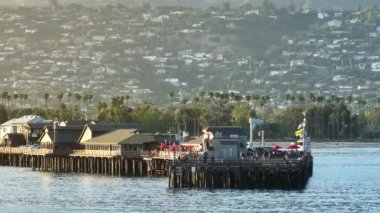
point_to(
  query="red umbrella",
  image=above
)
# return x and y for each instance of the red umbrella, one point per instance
(163, 146)
(174, 148)
(276, 147)
(182, 146)
(293, 147)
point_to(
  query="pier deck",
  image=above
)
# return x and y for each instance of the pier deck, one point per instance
(273, 173)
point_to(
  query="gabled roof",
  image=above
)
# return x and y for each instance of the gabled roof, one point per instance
(26, 119)
(35, 125)
(122, 136)
(62, 137)
(226, 131)
(50, 127)
(74, 123)
(100, 129)
(112, 127)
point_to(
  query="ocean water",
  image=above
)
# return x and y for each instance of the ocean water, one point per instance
(344, 180)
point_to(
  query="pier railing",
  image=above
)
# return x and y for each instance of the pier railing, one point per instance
(170, 155)
(108, 153)
(31, 151)
(249, 163)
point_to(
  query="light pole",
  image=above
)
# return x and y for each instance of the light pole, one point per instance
(54, 129)
(261, 133)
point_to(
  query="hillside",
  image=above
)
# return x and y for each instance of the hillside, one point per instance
(310, 4)
(146, 52)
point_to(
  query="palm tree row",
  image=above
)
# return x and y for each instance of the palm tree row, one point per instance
(330, 117)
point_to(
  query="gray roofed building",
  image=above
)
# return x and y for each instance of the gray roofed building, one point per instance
(125, 142)
(119, 136)
(62, 136)
(224, 142)
(95, 130)
(60, 142)
(30, 119)
(16, 125)
(111, 127)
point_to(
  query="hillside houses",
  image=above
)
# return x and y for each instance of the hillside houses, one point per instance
(123, 49)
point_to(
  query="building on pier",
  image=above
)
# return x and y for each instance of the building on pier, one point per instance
(28, 125)
(32, 132)
(224, 142)
(92, 130)
(121, 142)
(59, 142)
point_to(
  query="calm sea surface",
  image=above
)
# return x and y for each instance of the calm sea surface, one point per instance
(344, 180)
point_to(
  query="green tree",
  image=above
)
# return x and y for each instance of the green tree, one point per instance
(15, 98)
(3, 114)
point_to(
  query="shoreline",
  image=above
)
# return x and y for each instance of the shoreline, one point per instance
(331, 144)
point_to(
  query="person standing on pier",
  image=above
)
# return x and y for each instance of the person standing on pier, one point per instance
(205, 156)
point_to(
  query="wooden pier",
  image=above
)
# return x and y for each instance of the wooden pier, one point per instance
(190, 173)
(102, 163)
(242, 174)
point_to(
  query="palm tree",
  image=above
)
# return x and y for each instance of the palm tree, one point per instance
(15, 98)
(171, 95)
(301, 100)
(237, 98)
(23, 98)
(8, 98)
(264, 100)
(60, 96)
(312, 98)
(202, 95)
(320, 99)
(184, 102)
(211, 95)
(349, 100)
(89, 100)
(362, 103)
(255, 98)
(231, 97)
(46, 98)
(69, 95)
(127, 97)
(4, 96)
(77, 98)
(292, 99)
(248, 98)
(288, 97)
